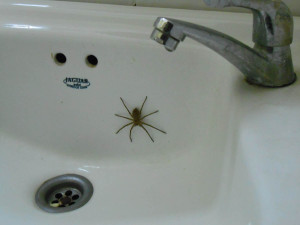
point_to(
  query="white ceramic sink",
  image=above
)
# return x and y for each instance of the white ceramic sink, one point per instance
(231, 155)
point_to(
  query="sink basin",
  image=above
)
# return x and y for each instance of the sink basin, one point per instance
(231, 153)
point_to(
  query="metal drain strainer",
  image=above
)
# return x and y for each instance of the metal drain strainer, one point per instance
(64, 193)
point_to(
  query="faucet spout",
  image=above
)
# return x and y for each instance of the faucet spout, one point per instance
(262, 65)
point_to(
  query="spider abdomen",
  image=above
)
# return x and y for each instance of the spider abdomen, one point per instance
(136, 114)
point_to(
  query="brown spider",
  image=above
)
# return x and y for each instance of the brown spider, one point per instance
(137, 120)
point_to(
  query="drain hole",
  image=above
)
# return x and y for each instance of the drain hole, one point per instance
(59, 193)
(60, 58)
(68, 193)
(65, 200)
(75, 197)
(91, 60)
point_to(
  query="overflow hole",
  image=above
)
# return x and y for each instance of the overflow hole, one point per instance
(91, 60)
(60, 58)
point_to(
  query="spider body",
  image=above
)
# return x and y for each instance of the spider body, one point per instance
(136, 115)
(137, 120)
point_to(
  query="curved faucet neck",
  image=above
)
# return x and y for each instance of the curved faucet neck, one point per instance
(269, 63)
(272, 20)
(262, 65)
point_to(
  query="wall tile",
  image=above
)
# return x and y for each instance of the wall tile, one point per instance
(294, 5)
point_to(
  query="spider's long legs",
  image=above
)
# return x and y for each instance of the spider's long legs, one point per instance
(126, 107)
(130, 132)
(123, 117)
(154, 127)
(147, 132)
(143, 105)
(124, 127)
(149, 114)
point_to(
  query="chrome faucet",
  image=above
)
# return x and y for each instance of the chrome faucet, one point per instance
(269, 63)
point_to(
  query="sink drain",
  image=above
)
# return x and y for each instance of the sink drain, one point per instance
(64, 193)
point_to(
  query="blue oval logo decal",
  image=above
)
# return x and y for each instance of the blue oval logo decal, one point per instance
(77, 83)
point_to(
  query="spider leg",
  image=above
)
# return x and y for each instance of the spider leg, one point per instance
(143, 105)
(126, 107)
(147, 132)
(154, 127)
(149, 114)
(124, 127)
(130, 132)
(123, 117)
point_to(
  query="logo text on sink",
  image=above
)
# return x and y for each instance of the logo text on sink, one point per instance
(77, 83)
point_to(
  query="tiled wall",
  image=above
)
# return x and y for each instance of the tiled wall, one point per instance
(294, 5)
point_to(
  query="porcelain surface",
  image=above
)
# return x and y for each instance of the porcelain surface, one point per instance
(231, 154)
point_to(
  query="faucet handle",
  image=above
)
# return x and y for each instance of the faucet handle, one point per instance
(272, 20)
